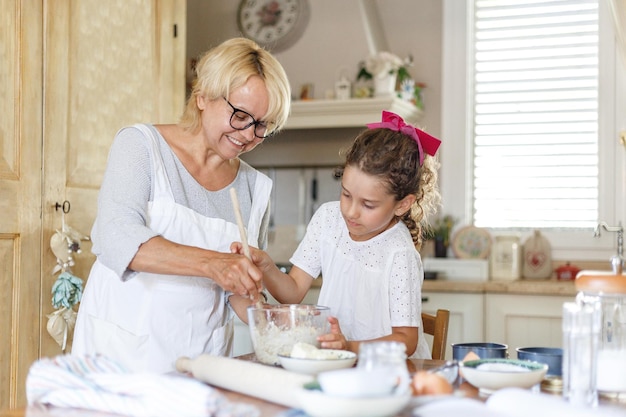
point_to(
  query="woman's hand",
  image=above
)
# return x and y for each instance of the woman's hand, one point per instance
(285, 288)
(335, 339)
(238, 274)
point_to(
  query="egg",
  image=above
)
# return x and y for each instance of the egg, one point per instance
(469, 357)
(428, 383)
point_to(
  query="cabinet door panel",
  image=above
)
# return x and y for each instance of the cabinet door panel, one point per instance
(524, 320)
(466, 316)
(20, 194)
(108, 64)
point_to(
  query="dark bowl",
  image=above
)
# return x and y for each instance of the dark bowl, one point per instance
(484, 350)
(553, 357)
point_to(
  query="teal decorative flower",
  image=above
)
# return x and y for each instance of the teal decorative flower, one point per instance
(67, 290)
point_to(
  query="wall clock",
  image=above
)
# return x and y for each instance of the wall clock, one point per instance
(273, 24)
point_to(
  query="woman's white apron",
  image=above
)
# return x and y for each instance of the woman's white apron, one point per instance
(149, 321)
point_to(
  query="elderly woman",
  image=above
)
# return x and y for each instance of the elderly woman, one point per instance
(164, 274)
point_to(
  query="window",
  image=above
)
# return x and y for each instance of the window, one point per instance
(529, 120)
(535, 114)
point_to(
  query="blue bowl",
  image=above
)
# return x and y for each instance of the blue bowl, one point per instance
(553, 357)
(484, 350)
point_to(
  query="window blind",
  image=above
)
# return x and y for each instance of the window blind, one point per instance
(535, 121)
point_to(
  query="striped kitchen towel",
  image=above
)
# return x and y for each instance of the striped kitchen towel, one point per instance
(98, 383)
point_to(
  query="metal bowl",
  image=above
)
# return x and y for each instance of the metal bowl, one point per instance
(484, 350)
(553, 357)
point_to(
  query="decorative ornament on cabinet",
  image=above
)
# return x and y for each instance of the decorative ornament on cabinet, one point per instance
(276, 24)
(68, 289)
(343, 87)
(364, 83)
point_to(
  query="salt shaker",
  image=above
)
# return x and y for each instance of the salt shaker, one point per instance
(581, 328)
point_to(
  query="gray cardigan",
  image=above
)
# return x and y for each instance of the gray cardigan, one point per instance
(120, 225)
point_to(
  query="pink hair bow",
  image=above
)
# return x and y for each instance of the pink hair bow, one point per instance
(425, 142)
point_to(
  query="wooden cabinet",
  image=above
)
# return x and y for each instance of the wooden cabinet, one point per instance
(466, 315)
(68, 85)
(524, 320)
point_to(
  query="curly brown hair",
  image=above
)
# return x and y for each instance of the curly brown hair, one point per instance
(394, 158)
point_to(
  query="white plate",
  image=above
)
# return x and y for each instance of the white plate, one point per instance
(317, 404)
(489, 375)
(339, 359)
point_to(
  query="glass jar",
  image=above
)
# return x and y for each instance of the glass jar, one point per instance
(386, 356)
(611, 357)
(581, 327)
(506, 258)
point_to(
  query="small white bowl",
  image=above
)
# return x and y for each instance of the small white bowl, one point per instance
(489, 375)
(335, 359)
(360, 383)
(316, 403)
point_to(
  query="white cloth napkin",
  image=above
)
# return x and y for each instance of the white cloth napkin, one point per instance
(98, 383)
(517, 402)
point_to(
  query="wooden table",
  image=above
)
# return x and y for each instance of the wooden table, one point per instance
(267, 409)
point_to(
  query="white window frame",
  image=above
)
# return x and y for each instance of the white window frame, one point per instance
(456, 153)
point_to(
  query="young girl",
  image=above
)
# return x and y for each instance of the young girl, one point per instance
(364, 245)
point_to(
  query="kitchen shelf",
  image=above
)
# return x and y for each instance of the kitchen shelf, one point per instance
(355, 112)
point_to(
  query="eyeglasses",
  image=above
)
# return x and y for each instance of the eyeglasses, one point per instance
(241, 120)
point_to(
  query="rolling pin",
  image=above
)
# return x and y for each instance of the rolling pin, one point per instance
(254, 379)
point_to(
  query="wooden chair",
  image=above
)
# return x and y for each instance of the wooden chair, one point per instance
(437, 326)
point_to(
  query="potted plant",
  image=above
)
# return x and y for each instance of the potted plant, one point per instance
(439, 232)
(383, 68)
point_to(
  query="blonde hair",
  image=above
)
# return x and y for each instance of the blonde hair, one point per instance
(227, 67)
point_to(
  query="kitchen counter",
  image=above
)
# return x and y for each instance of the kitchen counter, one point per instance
(521, 286)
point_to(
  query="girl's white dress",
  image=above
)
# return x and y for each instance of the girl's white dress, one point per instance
(370, 286)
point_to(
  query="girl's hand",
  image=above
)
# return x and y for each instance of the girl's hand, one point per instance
(260, 258)
(335, 339)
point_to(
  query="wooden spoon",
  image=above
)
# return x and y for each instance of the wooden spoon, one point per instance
(242, 233)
